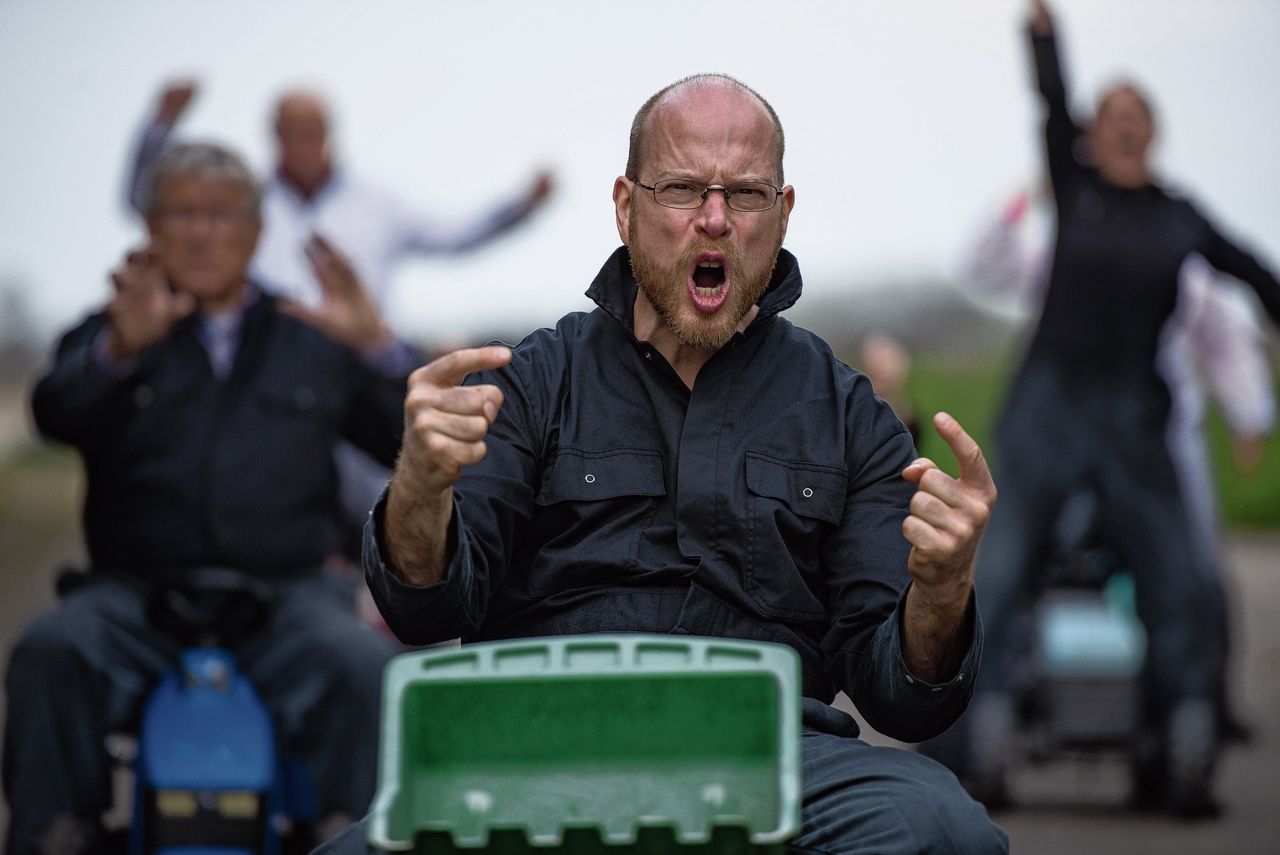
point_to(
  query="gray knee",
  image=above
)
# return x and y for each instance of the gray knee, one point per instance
(948, 819)
(356, 658)
(50, 648)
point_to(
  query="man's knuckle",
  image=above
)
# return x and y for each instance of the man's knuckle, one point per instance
(438, 444)
(934, 479)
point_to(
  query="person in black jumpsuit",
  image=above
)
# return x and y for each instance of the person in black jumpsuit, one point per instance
(1089, 409)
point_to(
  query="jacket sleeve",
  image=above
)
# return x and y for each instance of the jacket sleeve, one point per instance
(493, 503)
(151, 144)
(867, 576)
(1060, 131)
(423, 234)
(375, 417)
(80, 400)
(1230, 258)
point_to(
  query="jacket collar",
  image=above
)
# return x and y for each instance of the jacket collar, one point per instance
(614, 288)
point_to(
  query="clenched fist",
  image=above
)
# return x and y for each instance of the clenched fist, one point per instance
(444, 430)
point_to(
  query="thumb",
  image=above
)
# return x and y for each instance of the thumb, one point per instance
(915, 469)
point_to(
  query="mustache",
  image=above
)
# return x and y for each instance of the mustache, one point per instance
(728, 251)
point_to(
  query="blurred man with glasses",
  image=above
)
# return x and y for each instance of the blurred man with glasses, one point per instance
(206, 414)
(684, 460)
(312, 193)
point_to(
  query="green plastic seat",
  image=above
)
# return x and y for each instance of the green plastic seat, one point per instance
(617, 743)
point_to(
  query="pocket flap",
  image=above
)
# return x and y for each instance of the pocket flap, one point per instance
(809, 489)
(586, 476)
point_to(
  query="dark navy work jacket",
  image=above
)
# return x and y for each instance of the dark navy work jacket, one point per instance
(188, 469)
(765, 504)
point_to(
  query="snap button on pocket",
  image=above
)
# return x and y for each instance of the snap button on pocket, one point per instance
(590, 479)
(807, 492)
(304, 398)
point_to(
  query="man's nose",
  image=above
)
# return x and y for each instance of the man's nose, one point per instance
(713, 216)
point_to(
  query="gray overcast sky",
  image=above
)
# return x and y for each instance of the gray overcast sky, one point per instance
(907, 122)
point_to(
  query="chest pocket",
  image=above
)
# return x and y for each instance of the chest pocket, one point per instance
(585, 476)
(790, 507)
(302, 400)
(593, 508)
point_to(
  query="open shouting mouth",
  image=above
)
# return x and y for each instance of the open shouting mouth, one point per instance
(708, 282)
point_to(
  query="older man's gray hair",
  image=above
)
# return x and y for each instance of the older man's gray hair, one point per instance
(209, 161)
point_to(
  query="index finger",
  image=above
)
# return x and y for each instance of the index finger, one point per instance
(973, 465)
(449, 369)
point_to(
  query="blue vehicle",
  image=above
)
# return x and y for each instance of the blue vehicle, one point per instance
(210, 777)
(207, 772)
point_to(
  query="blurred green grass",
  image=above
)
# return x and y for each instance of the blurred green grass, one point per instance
(973, 392)
(40, 489)
(40, 485)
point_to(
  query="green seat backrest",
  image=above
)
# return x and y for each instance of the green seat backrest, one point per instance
(617, 743)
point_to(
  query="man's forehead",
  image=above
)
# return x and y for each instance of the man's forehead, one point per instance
(301, 107)
(716, 102)
(198, 183)
(712, 117)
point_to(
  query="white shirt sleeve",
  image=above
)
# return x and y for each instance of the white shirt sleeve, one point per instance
(1001, 264)
(1227, 340)
(422, 233)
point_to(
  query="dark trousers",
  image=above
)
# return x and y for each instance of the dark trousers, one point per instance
(1055, 440)
(82, 671)
(857, 800)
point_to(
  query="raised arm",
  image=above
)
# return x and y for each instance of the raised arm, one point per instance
(90, 386)
(1235, 261)
(348, 315)
(908, 660)
(948, 516)
(155, 136)
(1060, 130)
(434, 554)
(445, 429)
(419, 233)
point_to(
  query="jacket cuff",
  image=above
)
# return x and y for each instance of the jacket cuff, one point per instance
(967, 671)
(420, 614)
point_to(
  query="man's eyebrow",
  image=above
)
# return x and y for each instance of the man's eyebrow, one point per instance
(690, 176)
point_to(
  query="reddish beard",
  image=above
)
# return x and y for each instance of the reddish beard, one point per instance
(665, 286)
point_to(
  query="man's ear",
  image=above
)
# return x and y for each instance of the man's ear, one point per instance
(622, 190)
(787, 201)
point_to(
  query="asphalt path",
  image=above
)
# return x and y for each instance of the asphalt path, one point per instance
(1076, 805)
(1073, 806)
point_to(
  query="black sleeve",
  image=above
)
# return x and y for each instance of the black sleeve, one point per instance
(866, 568)
(493, 503)
(1061, 133)
(77, 401)
(1231, 259)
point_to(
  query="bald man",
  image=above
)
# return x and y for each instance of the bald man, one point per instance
(310, 194)
(684, 460)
